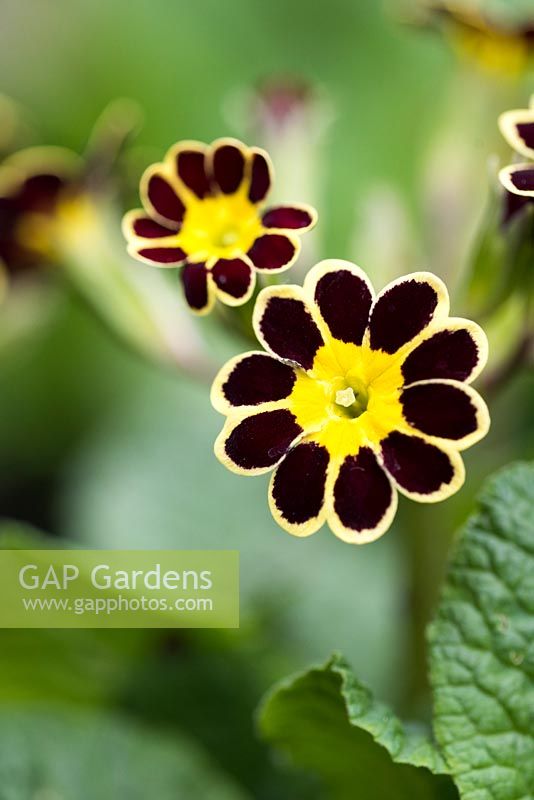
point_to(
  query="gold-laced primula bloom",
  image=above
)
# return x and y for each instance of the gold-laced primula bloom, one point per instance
(355, 399)
(44, 191)
(35, 184)
(204, 211)
(517, 127)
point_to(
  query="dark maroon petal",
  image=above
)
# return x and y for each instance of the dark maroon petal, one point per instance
(163, 255)
(260, 178)
(362, 491)
(525, 131)
(191, 168)
(16, 258)
(344, 300)
(271, 251)
(8, 211)
(164, 199)
(446, 354)
(400, 313)
(148, 229)
(513, 204)
(263, 439)
(39, 193)
(522, 179)
(228, 167)
(8, 221)
(416, 465)
(232, 276)
(195, 282)
(439, 409)
(258, 379)
(299, 483)
(287, 217)
(13, 253)
(289, 330)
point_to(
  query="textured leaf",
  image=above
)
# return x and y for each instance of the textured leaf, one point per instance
(482, 646)
(328, 722)
(100, 757)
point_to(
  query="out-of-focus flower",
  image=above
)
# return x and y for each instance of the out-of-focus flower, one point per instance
(38, 184)
(279, 100)
(356, 398)
(497, 36)
(517, 127)
(58, 211)
(34, 184)
(204, 211)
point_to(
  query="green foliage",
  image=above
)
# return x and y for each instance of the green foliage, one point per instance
(482, 646)
(84, 667)
(100, 756)
(329, 722)
(482, 671)
(197, 686)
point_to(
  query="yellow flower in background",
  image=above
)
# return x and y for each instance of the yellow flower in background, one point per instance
(498, 39)
(356, 398)
(204, 211)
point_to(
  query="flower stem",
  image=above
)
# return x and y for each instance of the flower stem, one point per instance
(138, 304)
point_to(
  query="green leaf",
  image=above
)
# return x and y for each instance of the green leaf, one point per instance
(99, 756)
(328, 722)
(16, 535)
(482, 646)
(62, 665)
(198, 683)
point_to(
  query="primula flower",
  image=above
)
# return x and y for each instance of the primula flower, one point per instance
(356, 397)
(517, 127)
(34, 183)
(40, 185)
(204, 211)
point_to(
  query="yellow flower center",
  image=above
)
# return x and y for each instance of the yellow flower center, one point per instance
(224, 226)
(350, 398)
(345, 397)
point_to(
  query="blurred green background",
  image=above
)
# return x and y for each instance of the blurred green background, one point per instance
(100, 448)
